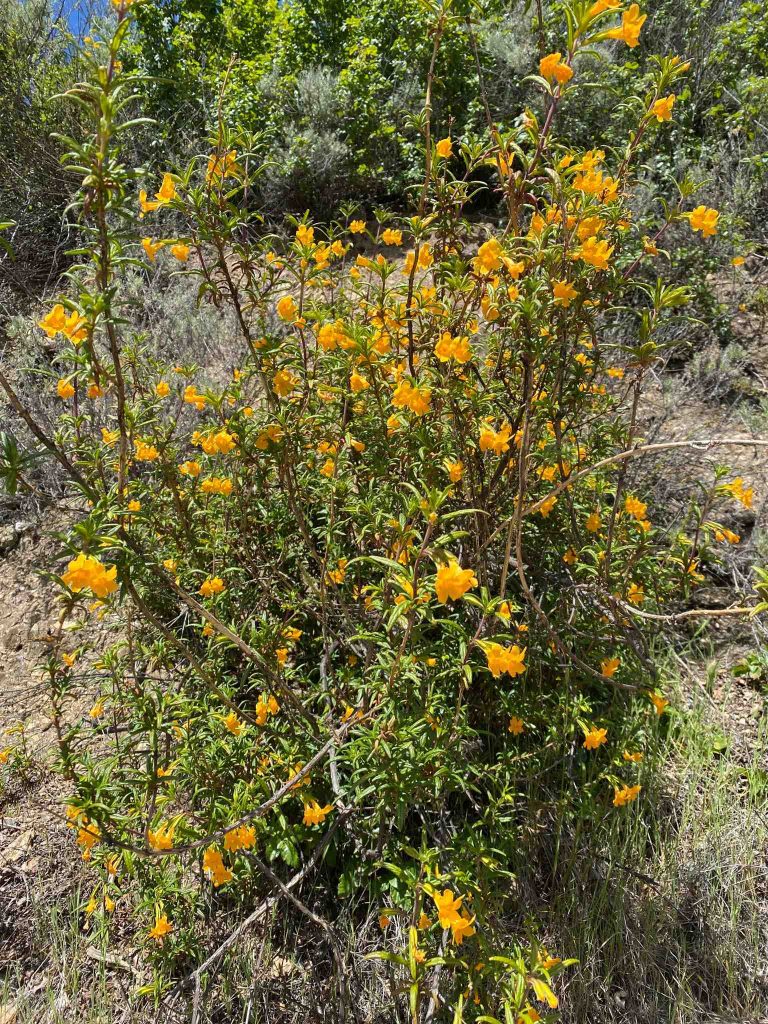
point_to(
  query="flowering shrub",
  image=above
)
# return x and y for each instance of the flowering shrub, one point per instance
(377, 585)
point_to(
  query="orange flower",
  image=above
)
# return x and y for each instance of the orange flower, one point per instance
(704, 219)
(625, 795)
(662, 108)
(452, 582)
(594, 738)
(314, 814)
(564, 293)
(553, 67)
(504, 659)
(629, 30)
(214, 867)
(660, 703)
(162, 927)
(213, 585)
(488, 257)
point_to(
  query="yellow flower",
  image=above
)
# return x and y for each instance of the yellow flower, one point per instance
(97, 710)
(455, 471)
(392, 237)
(357, 227)
(448, 906)
(704, 219)
(214, 867)
(162, 837)
(134, 505)
(504, 659)
(87, 572)
(629, 30)
(461, 927)
(452, 582)
(553, 67)
(358, 383)
(338, 575)
(180, 251)
(53, 323)
(241, 838)
(738, 261)
(145, 452)
(286, 308)
(167, 190)
(488, 257)
(635, 594)
(451, 915)
(625, 795)
(64, 389)
(220, 443)
(233, 723)
(593, 522)
(406, 396)
(564, 293)
(217, 485)
(162, 927)
(151, 248)
(495, 441)
(603, 5)
(221, 167)
(314, 814)
(305, 235)
(660, 703)
(594, 738)
(193, 397)
(547, 505)
(284, 382)
(662, 108)
(213, 585)
(190, 468)
(162, 389)
(444, 148)
(595, 252)
(634, 507)
(516, 726)
(88, 836)
(608, 666)
(635, 757)
(721, 533)
(449, 348)
(741, 493)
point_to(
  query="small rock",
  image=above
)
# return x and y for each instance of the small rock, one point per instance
(15, 850)
(13, 639)
(9, 539)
